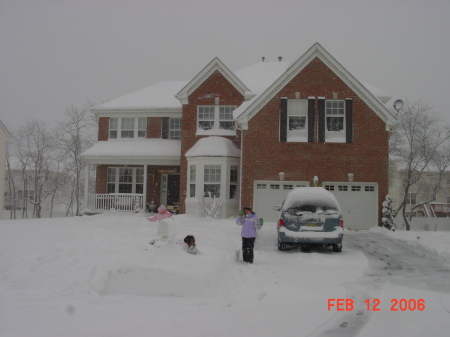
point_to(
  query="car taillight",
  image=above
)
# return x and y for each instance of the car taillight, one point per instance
(281, 223)
(341, 223)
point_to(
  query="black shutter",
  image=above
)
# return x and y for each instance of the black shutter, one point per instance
(165, 128)
(283, 119)
(311, 106)
(349, 120)
(322, 120)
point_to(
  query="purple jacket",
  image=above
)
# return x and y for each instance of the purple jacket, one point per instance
(249, 223)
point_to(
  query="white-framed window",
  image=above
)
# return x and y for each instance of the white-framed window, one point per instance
(121, 128)
(27, 194)
(411, 198)
(335, 119)
(175, 128)
(211, 186)
(192, 180)
(297, 119)
(215, 119)
(125, 180)
(233, 181)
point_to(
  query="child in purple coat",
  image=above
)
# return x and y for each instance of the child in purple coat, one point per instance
(250, 224)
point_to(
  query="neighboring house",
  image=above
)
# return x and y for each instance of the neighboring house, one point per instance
(21, 194)
(247, 137)
(4, 134)
(422, 192)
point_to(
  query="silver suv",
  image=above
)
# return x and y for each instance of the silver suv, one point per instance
(310, 216)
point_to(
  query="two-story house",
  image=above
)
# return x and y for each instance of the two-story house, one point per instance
(247, 137)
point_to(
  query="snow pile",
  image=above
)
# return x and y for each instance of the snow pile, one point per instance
(427, 243)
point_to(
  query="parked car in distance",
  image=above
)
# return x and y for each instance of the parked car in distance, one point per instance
(310, 216)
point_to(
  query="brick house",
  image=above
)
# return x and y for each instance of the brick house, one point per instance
(247, 137)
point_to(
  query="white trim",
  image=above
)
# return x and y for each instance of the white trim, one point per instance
(205, 73)
(138, 113)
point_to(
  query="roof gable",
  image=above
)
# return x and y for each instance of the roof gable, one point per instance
(250, 108)
(215, 65)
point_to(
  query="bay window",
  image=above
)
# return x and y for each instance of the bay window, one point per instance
(233, 181)
(212, 180)
(192, 179)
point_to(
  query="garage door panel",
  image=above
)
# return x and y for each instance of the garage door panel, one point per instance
(267, 194)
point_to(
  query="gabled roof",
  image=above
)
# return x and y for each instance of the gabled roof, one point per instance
(215, 65)
(250, 108)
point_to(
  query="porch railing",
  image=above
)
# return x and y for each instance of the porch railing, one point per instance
(114, 201)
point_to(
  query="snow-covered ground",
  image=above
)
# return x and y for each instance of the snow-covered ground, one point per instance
(99, 276)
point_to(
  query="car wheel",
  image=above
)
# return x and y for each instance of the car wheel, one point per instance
(337, 247)
(282, 246)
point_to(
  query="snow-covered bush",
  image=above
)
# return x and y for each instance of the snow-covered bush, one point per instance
(388, 218)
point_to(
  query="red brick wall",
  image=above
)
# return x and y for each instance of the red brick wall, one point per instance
(215, 86)
(265, 156)
(103, 128)
(154, 127)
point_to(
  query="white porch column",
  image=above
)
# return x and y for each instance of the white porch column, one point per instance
(86, 185)
(145, 189)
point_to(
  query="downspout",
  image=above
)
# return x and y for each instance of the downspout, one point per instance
(240, 166)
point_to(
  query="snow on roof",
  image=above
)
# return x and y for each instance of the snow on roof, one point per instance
(160, 95)
(214, 147)
(378, 93)
(258, 78)
(135, 148)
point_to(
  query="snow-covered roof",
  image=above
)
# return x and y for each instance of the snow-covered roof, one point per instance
(134, 151)
(214, 147)
(158, 96)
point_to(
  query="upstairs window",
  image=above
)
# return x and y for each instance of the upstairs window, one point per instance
(121, 128)
(215, 120)
(335, 119)
(175, 128)
(297, 113)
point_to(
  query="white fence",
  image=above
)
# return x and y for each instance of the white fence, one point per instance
(114, 201)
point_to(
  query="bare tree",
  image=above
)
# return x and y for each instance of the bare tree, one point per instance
(76, 134)
(416, 143)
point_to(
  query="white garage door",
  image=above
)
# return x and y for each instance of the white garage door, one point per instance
(267, 194)
(359, 203)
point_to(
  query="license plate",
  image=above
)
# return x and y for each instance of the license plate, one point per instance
(312, 225)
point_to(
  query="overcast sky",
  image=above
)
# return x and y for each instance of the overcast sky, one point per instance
(57, 53)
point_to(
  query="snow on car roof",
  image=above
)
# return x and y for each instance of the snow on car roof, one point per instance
(311, 196)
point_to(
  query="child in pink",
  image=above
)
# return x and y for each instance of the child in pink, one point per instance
(163, 213)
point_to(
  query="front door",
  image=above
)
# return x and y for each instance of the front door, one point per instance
(170, 189)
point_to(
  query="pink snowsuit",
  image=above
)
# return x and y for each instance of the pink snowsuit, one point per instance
(163, 213)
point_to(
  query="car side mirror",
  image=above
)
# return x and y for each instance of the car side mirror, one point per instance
(276, 208)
